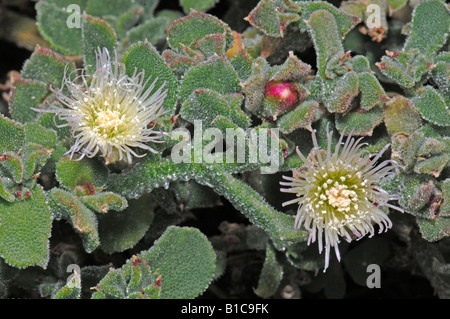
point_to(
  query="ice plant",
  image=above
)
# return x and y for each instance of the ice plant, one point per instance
(109, 113)
(337, 193)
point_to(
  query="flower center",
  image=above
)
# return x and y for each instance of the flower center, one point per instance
(340, 197)
(108, 120)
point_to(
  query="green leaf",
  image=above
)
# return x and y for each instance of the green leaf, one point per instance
(271, 275)
(395, 5)
(441, 76)
(120, 231)
(273, 16)
(128, 20)
(26, 94)
(205, 76)
(404, 68)
(362, 122)
(71, 290)
(400, 116)
(301, 116)
(25, 228)
(143, 56)
(50, 121)
(185, 260)
(432, 106)
(193, 195)
(339, 93)
(434, 229)
(360, 64)
(433, 165)
(71, 173)
(67, 206)
(11, 166)
(430, 27)
(135, 280)
(34, 157)
(113, 8)
(187, 30)
(52, 24)
(46, 66)
(96, 34)
(372, 93)
(153, 31)
(208, 104)
(327, 42)
(150, 174)
(149, 7)
(345, 21)
(12, 135)
(37, 134)
(102, 202)
(197, 5)
(416, 193)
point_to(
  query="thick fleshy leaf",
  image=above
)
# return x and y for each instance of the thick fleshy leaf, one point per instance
(46, 66)
(150, 174)
(273, 16)
(143, 56)
(404, 68)
(434, 229)
(208, 104)
(204, 76)
(185, 260)
(432, 106)
(153, 31)
(135, 280)
(339, 93)
(103, 202)
(187, 30)
(52, 22)
(271, 275)
(37, 134)
(97, 34)
(301, 116)
(361, 122)
(198, 5)
(430, 27)
(25, 228)
(372, 93)
(327, 42)
(26, 94)
(344, 20)
(113, 8)
(12, 134)
(122, 230)
(67, 206)
(71, 173)
(400, 116)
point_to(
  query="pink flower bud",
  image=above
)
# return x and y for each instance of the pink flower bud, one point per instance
(285, 94)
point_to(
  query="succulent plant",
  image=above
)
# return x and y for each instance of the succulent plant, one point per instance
(142, 145)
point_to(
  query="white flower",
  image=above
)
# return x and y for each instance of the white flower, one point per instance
(337, 193)
(109, 112)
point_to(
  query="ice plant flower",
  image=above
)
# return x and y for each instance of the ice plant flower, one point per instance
(337, 193)
(109, 112)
